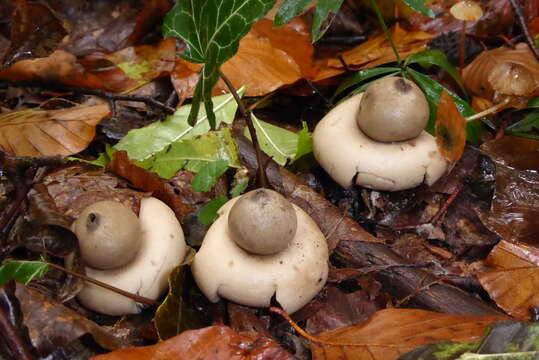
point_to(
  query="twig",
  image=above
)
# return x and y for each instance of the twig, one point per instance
(434, 220)
(262, 177)
(109, 96)
(318, 340)
(317, 92)
(137, 298)
(425, 287)
(522, 21)
(19, 348)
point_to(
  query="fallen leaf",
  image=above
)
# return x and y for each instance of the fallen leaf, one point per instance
(148, 181)
(51, 324)
(38, 133)
(267, 59)
(374, 52)
(514, 282)
(76, 187)
(476, 74)
(214, 342)
(35, 32)
(401, 330)
(450, 129)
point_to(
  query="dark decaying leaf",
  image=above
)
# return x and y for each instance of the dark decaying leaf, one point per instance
(78, 186)
(402, 330)
(35, 32)
(514, 213)
(505, 340)
(148, 181)
(175, 315)
(53, 325)
(214, 342)
(343, 309)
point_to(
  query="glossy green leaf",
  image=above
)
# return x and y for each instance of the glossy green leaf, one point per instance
(323, 9)
(145, 142)
(208, 213)
(102, 160)
(208, 175)
(433, 90)
(194, 153)
(211, 30)
(435, 57)
(279, 143)
(533, 102)
(174, 316)
(238, 189)
(289, 10)
(420, 6)
(305, 142)
(364, 75)
(22, 271)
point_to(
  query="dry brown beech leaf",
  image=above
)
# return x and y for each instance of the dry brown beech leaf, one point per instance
(214, 342)
(52, 325)
(267, 59)
(476, 74)
(374, 52)
(514, 282)
(402, 330)
(38, 133)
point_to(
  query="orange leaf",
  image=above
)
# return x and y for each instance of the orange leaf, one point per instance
(514, 283)
(475, 75)
(39, 133)
(214, 342)
(374, 52)
(450, 129)
(267, 59)
(404, 330)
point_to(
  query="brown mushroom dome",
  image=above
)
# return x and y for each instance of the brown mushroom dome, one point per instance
(262, 222)
(109, 234)
(393, 109)
(511, 78)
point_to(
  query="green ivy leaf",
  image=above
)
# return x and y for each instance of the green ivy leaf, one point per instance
(289, 10)
(435, 57)
(208, 213)
(144, 143)
(22, 271)
(363, 75)
(533, 102)
(174, 316)
(305, 142)
(208, 175)
(420, 7)
(193, 154)
(212, 30)
(433, 90)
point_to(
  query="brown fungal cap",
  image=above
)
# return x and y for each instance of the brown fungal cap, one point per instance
(466, 10)
(109, 234)
(511, 78)
(393, 109)
(262, 222)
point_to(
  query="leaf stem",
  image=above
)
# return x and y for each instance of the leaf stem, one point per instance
(137, 298)
(386, 31)
(262, 177)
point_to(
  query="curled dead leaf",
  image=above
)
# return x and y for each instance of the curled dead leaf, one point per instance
(450, 129)
(38, 133)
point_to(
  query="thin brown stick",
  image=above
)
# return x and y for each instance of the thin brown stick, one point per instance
(462, 47)
(262, 177)
(19, 348)
(417, 291)
(522, 21)
(137, 298)
(317, 340)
